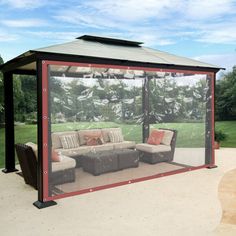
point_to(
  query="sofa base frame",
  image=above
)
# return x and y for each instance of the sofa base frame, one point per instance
(153, 158)
(63, 176)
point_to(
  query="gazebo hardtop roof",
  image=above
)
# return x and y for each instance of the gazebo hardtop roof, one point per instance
(88, 46)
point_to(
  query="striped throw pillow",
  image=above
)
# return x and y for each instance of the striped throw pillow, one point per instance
(69, 141)
(116, 136)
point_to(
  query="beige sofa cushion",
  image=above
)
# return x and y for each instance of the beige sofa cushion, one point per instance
(105, 133)
(108, 145)
(116, 136)
(92, 132)
(64, 164)
(104, 147)
(73, 152)
(81, 150)
(56, 142)
(153, 148)
(124, 144)
(167, 137)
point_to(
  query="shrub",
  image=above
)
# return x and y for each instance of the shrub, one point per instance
(220, 136)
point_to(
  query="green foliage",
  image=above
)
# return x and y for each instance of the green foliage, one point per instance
(220, 136)
(1, 60)
(120, 101)
(74, 100)
(25, 98)
(18, 94)
(229, 128)
(171, 102)
(226, 96)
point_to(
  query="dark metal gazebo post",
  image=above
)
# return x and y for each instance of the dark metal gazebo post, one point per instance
(9, 123)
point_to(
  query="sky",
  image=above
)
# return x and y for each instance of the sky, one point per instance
(202, 30)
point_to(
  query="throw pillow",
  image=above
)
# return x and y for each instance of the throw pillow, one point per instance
(55, 156)
(155, 137)
(69, 141)
(93, 140)
(83, 133)
(116, 136)
(168, 135)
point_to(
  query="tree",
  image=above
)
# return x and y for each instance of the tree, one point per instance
(226, 96)
(25, 97)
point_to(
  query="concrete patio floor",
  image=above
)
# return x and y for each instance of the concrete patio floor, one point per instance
(182, 204)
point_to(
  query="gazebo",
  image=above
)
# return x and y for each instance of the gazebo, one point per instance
(105, 83)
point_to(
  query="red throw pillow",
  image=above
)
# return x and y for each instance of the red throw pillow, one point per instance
(155, 137)
(55, 156)
(93, 140)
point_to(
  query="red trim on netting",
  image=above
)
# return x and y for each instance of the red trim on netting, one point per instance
(89, 190)
(45, 128)
(213, 118)
(64, 63)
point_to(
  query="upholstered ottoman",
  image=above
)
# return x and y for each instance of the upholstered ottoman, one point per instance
(127, 158)
(100, 162)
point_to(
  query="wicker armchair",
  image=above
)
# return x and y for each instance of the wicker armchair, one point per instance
(153, 154)
(28, 164)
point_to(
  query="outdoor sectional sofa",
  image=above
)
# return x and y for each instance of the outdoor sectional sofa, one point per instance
(82, 148)
(108, 155)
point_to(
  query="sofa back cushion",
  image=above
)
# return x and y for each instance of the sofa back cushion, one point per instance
(116, 136)
(167, 137)
(56, 142)
(69, 141)
(156, 137)
(88, 132)
(105, 133)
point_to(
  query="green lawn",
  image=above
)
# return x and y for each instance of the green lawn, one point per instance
(189, 134)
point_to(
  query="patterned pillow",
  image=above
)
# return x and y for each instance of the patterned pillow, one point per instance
(156, 137)
(116, 136)
(69, 141)
(83, 133)
(93, 140)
